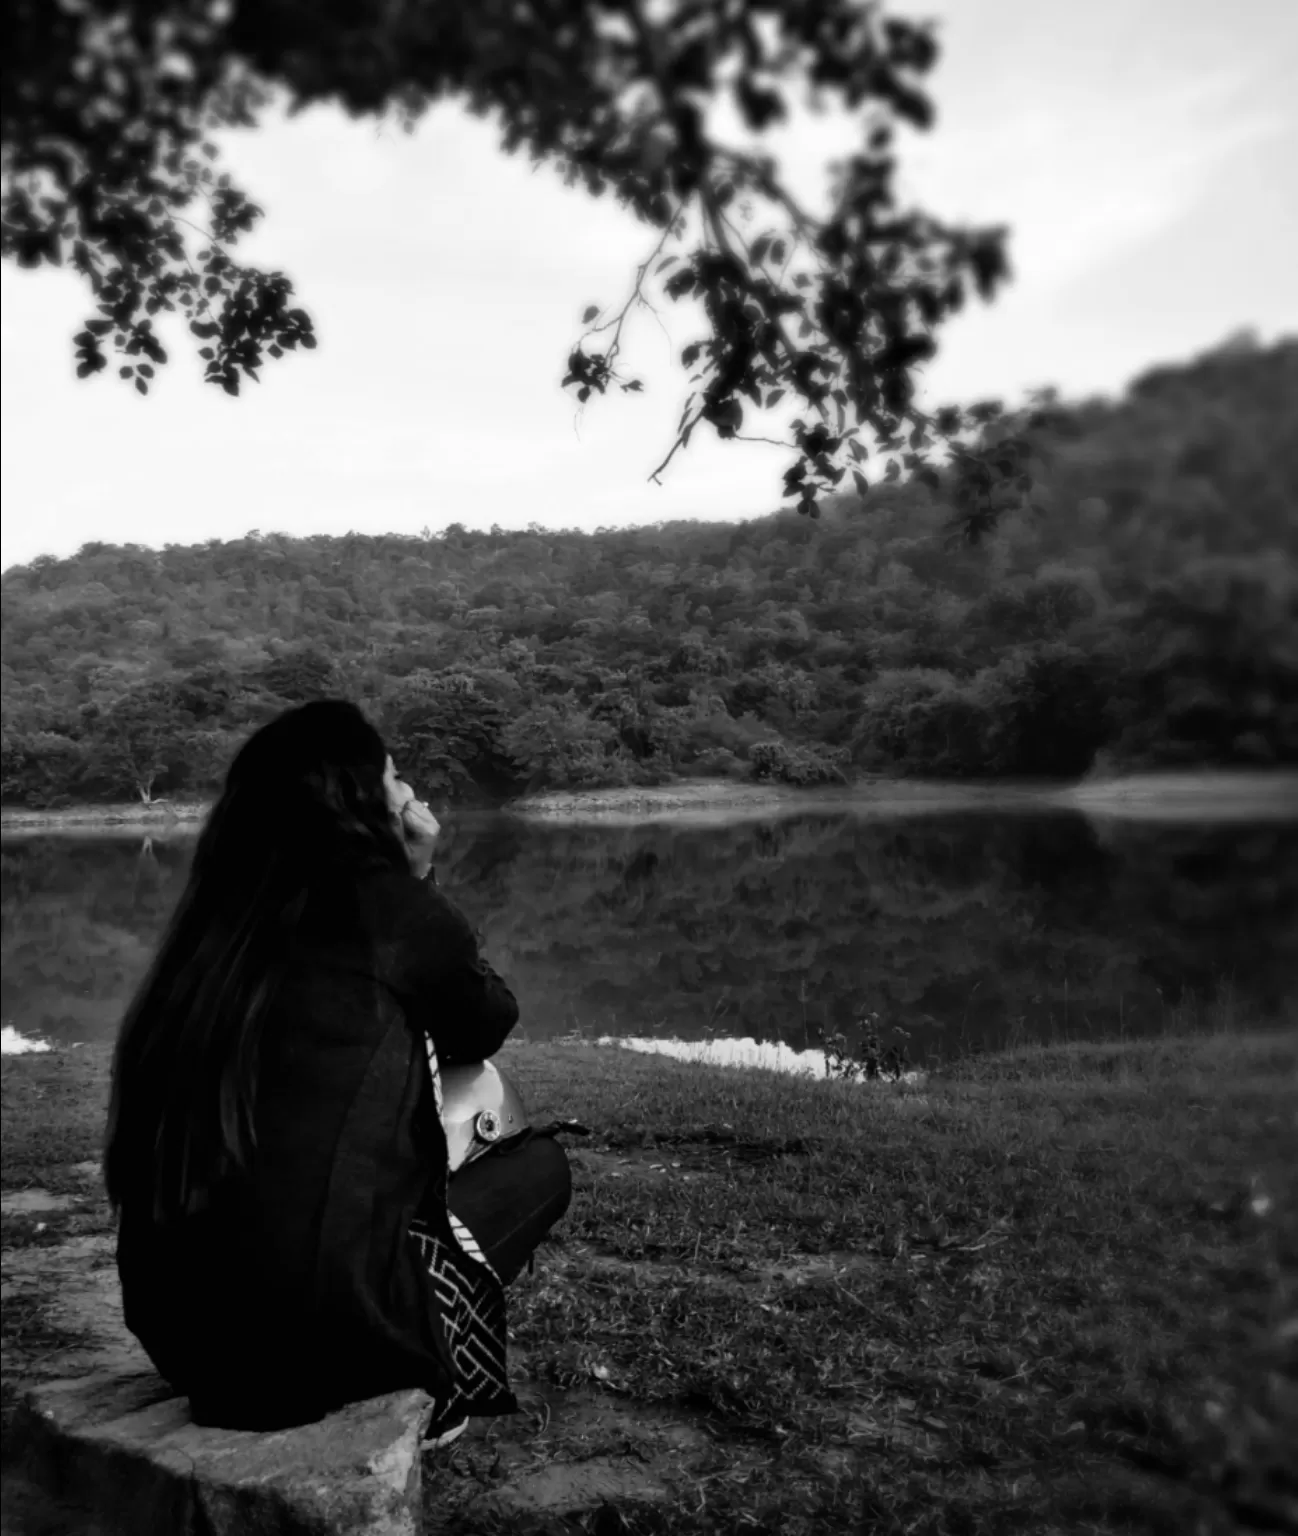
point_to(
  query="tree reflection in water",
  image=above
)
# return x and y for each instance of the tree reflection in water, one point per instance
(965, 930)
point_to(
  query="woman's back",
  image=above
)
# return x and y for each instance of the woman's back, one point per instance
(273, 1129)
(297, 1288)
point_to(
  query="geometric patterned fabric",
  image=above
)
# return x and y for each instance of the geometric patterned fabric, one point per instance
(471, 1301)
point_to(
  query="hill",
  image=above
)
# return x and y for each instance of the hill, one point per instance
(1145, 615)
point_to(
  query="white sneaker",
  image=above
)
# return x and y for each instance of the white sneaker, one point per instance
(447, 1436)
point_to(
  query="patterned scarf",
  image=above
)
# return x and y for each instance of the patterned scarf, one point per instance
(472, 1303)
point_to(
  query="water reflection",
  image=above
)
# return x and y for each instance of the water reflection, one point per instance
(962, 929)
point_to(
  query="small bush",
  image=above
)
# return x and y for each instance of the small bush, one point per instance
(797, 765)
(718, 763)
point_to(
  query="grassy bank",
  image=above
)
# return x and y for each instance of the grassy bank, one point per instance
(1045, 1292)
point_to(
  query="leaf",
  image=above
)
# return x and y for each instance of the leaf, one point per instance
(141, 387)
(591, 311)
(862, 484)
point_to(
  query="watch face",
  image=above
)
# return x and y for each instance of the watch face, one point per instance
(488, 1125)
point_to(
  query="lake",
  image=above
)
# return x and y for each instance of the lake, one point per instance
(965, 929)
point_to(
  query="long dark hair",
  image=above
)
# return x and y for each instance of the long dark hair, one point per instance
(303, 805)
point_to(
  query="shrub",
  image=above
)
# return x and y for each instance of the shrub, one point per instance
(801, 766)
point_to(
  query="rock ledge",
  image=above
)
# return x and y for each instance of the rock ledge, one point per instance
(119, 1448)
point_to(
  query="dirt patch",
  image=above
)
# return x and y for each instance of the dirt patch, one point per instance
(576, 1261)
(34, 1202)
(40, 1217)
(570, 1451)
(656, 1166)
(70, 1291)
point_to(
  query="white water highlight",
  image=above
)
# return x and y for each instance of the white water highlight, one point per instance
(14, 1044)
(768, 1055)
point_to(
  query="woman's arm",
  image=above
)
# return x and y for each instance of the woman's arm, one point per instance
(479, 1010)
(447, 988)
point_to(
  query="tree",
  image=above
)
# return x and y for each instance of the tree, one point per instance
(445, 734)
(1217, 667)
(1166, 633)
(299, 675)
(140, 737)
(39, 769)
(109, 166)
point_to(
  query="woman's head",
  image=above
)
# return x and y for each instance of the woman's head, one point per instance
(306, 807)
(311, 789)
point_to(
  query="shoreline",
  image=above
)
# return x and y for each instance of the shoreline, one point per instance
(17, 818)
(1232, 794)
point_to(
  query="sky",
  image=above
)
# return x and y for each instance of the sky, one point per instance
(1141, 151)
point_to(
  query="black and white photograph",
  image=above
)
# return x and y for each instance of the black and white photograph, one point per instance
(649, 768)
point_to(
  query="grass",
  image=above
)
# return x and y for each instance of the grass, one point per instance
(1050, 1291)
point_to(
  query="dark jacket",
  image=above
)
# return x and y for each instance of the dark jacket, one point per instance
(299, 1288)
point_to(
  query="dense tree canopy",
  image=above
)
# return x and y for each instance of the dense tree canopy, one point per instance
(109, 166)
(1150, 616)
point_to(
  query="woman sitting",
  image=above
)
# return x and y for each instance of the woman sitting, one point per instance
(289, 1239)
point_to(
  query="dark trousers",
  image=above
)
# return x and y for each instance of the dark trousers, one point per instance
(510, 1197)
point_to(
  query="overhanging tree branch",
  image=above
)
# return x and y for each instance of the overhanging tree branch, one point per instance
(108, 106)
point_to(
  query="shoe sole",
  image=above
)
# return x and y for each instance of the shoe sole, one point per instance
(447, 1436)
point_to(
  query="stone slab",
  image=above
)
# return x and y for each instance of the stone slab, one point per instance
(121, 1446)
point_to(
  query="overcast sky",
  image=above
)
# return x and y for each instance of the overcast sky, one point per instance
(1142, 151)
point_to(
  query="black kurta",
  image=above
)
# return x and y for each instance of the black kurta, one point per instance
(300, 1288)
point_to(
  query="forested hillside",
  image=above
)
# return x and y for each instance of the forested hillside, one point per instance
(1145, 614)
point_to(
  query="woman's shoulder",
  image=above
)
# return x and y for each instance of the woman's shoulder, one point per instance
(399, 902)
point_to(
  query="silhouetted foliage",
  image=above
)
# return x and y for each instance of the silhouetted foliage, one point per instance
(110, 168)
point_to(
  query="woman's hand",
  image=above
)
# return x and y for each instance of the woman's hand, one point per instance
(421, 829)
